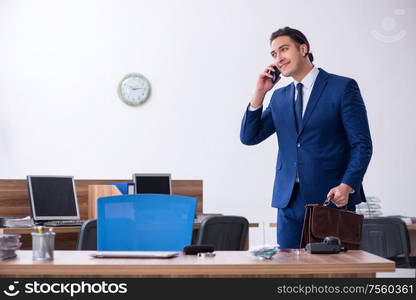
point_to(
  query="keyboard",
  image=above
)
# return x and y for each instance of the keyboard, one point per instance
(63, 223)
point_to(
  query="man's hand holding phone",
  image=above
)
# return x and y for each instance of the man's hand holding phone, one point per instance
(266, 81)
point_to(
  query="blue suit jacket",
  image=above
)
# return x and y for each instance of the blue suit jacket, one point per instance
(333, 145)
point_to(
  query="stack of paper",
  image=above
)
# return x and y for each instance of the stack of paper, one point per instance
(13, 222)
(9, 243)
(371, 208)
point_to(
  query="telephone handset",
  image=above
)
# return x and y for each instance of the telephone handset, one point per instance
(275, 74)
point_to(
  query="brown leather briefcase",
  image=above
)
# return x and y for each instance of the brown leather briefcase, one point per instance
(322, 221)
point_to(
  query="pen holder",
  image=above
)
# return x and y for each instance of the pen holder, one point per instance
(43, 245)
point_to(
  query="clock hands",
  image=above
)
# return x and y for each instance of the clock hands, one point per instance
(134, 89)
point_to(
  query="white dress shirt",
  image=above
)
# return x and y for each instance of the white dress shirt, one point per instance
(308, 81)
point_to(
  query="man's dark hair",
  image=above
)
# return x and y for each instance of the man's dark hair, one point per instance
(295, 35)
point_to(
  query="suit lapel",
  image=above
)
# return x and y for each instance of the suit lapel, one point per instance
(317, 90)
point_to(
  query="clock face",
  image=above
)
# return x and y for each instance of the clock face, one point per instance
(134, 89)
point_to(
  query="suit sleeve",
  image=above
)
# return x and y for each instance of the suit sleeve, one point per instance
(354, 119)
(256, 126)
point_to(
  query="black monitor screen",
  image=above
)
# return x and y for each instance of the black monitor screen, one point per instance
(152, 184)
(53, 198)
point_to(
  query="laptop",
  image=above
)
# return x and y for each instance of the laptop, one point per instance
(135, 254)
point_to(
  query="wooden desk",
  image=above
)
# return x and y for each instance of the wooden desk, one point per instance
(66, 237)
(354, 263)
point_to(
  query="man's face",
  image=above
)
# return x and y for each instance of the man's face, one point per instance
(287, 55)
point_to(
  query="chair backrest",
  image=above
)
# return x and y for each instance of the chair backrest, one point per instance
(145, 222)
(87, 237)
(224, 232)
(385, 236)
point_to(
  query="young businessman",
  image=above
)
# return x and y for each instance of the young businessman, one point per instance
(322, 129)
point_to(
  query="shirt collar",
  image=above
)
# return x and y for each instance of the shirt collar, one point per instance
(309, 79)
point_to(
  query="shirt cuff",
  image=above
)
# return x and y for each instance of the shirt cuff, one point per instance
(251, 108)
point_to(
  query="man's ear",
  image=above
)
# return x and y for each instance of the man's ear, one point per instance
(304, 50)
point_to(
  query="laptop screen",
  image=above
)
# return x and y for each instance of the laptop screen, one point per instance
(53, 198)
(152, 183)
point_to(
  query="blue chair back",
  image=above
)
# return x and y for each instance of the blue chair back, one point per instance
(145, 222)
(123, 187)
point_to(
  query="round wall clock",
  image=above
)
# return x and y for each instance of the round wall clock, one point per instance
(134, 89)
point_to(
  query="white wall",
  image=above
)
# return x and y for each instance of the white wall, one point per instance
(61, 61)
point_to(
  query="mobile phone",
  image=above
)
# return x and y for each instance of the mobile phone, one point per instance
(275, 74)
(195, 249)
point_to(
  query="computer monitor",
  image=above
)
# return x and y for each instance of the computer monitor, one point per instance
(53, 198)
(152, 184)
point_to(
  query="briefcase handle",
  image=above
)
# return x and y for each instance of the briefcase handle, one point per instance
(327, 201)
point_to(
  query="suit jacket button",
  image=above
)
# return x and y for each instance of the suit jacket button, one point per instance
(298, 145)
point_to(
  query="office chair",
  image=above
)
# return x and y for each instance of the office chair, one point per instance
(387, 237)
(145, 222)
(87, 237)
(224, 232)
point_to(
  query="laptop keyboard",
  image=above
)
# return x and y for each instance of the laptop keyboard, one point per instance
(63, 223)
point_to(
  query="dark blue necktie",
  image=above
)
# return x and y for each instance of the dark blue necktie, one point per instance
(298, 106)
